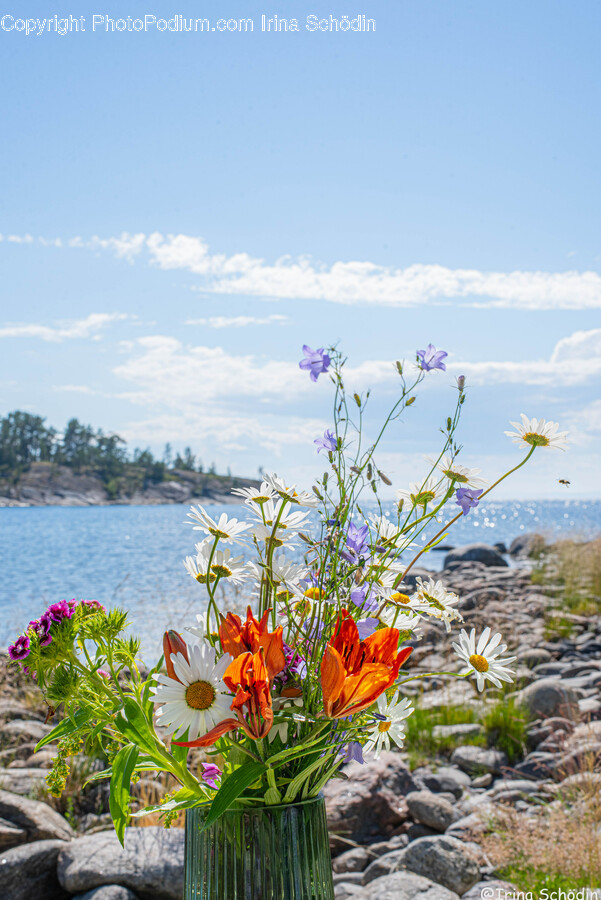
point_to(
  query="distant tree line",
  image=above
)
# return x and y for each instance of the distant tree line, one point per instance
(25, 439)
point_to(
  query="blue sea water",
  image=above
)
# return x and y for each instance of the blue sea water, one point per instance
(132, 556)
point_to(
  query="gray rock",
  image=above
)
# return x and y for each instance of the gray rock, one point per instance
(38, 820)
(23, 729)
(431, 810)
(405, 886)
(29, 872)
(444, 731)
(496, 890)
(23, 781)
(11, 835)
(534, 656)
(348, 891)
(479, 760)
(370, 803)
(527, 545)
(549, 697)
(481, 553)
(445, 860)
(348, 878)
(354, 860)
(482, 781)
(108, 892)
(151, 863)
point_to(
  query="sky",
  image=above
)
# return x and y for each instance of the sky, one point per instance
(181, 211)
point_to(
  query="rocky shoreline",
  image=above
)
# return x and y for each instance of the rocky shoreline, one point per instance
(49, 485)
(399, 831)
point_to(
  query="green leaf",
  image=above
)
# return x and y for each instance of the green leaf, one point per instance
(133, 725)
(123, 767)
(66, 727)
(231, 789)
(184, 799)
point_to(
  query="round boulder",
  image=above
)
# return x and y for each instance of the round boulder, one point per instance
(549, 697)
(475, 553)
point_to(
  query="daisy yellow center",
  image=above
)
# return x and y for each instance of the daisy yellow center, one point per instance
(455, 476)
(536, 440)
(480, 663)
(397, 597)
(217, 533)
(302, 607)
(314, 593)
(200, 695)
(384, 726)
(424, 497)
(433, 601)
(221, 571)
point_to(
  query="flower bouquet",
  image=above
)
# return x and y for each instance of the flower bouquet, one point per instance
(310, 678)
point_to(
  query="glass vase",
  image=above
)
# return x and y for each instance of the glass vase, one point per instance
(259, 853)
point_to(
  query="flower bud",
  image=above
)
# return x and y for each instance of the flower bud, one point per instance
(173, 643)
(460, 382)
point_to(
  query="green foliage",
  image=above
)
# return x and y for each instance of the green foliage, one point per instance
(232, 787)
(119, 799)
(536, 880)
(505, 726)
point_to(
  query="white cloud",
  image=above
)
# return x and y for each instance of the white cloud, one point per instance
(574, 360)
(238, 321)
(347, 282)
(79, 328)
(199, 427)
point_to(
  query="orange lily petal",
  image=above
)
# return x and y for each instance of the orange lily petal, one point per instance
(333, 675)
(173, 643)
(211, 736)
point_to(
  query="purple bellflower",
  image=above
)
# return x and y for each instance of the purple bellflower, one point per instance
(467, 498)
(353, 751)
(431, 358)
(356, 545)
(315, 362)
(327, 442)
(366, 628)
(361, 598)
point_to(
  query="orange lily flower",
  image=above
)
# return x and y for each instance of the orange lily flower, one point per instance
(173, 643)
(354, 673)
(237, 638)
(248, 678)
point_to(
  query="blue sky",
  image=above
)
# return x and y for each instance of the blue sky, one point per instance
(181, 212)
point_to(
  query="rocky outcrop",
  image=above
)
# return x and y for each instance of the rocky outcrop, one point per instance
(45, 484)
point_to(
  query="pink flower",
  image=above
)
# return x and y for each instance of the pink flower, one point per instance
(210, 774)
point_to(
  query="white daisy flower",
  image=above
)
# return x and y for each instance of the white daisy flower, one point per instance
(483, 659)
(420, 493)
(198, 700)
(256, 495)
(287, 572)
(538, 433)
(223, 565)
(460, 475)
(288, 523)
(398, 613)
(201, 629)
(390, 727)
(387, 531)
(433, 599)
(289, 492)
(227, 530)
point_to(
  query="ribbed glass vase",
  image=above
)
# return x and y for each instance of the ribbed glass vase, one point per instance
(263, 853)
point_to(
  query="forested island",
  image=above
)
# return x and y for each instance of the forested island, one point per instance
(83, 466)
